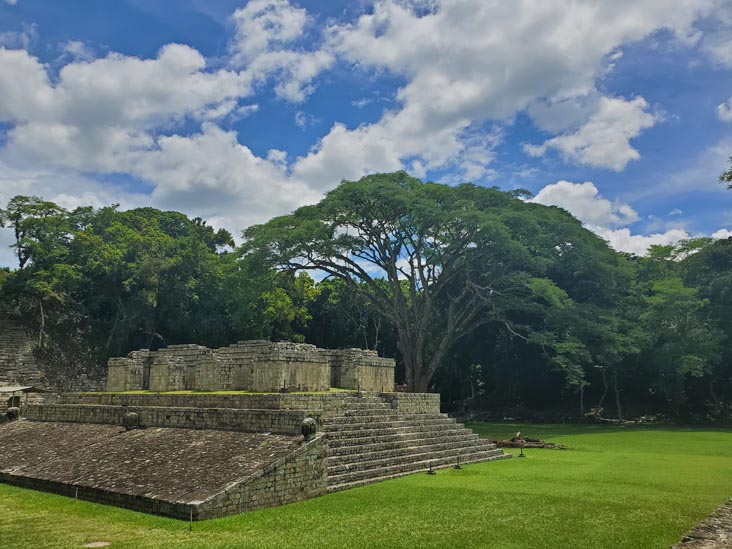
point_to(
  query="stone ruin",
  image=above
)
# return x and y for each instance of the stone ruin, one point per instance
(275, 438)
(256, 366)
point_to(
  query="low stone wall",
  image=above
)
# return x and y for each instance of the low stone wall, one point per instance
(414, 403)
(275, 421)
(300, 475)
(135, 502)
(313, 403)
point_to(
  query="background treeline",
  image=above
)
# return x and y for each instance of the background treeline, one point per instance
(524, 308)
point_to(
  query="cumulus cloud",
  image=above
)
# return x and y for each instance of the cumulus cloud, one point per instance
(265, 31)
(604, 140)
(624, 241)
(584, 201)
(721, 234)
(717, 40)
(608, 219)
(468, 68)
(724, 111)
(78, 50)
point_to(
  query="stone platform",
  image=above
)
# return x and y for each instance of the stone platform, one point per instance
(202, 456)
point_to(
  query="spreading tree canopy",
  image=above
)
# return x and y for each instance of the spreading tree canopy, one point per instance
(437, 261)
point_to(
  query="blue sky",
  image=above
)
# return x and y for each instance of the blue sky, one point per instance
(619, 111)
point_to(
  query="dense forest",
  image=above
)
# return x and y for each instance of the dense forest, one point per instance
(481, 295)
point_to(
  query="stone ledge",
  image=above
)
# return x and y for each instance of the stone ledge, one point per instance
(248, 420)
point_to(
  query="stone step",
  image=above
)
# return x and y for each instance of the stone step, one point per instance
(398, 449)
(378, 422)
(391, 429)
(372, 475)
(376, 438)
(368, 408)
(382, 418)
(455, 453)
(399, 442)
(364, 482)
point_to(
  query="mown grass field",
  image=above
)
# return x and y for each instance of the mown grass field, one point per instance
(639, 487)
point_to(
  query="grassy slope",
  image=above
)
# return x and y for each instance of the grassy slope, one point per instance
(616, 487)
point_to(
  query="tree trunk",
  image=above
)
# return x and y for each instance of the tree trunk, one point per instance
(617, 396)
(582, 399)
(42, 328)
(605, 389)
(714, 395)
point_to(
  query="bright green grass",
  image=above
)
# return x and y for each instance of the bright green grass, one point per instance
(639, 487)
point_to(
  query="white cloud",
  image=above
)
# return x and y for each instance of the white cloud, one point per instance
(11, 2)
(584, 201)
(470, 61)
(469, 67)
(676, 211)
(717, 40)
(607, 218)
(604, 140)
(100, 111)
(724, 111)
(19, 39)
(78, 50)
(623, 240)
(721, 234)
(304, 119)
(265, 32)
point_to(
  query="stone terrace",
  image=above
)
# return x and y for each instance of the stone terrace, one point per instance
(146, 469)
(193, 457)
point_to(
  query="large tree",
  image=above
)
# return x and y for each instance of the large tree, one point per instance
(436, 260)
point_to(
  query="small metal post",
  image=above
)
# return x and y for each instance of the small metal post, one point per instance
(457, 465)
(522, 455)
(76, 493)
(190, 523)
(431, 471)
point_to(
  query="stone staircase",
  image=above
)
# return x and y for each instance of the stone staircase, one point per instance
(370, 443)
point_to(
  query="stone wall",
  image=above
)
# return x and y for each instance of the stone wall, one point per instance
(313, 404)
(362, 370)
(414, 403)
(127, 374)
(286, 422)
(300, 475)
(260, 366)
(17, 364)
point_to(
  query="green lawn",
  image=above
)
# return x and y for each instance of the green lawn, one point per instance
(637, 487)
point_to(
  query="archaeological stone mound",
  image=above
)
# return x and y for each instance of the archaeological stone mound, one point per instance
(257, 366)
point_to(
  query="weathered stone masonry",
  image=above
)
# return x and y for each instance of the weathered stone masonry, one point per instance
(18, 365)
(260, 366)
(206, 455)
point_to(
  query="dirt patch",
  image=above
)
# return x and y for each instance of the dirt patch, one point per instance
(715, 532)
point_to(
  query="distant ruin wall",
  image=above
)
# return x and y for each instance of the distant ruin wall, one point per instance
(18, 365)
(259, 366)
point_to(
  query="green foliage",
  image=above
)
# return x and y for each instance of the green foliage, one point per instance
(477, 293)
